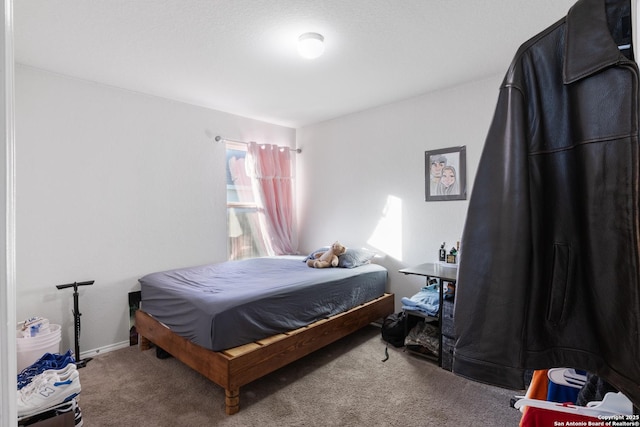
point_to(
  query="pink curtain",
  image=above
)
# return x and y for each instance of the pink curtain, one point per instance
(269, 166)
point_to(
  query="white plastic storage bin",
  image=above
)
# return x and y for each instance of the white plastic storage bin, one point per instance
(30, 349)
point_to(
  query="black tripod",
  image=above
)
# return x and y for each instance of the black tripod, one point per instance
(76, 318)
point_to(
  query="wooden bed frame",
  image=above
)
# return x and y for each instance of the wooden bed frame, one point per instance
(238, 366)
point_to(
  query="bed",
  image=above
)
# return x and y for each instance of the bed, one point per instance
(237, 321)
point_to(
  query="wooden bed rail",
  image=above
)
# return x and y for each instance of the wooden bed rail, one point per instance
(238, 366)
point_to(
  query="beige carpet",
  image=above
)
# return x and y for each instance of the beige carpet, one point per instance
(344, 384)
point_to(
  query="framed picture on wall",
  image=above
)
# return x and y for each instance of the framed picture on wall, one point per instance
(446, 174)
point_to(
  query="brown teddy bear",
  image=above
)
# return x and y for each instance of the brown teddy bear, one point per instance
(328, 258)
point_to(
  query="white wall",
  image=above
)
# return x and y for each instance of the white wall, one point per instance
(362, 177)
(112, 185)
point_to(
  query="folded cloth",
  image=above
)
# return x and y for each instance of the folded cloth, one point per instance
(427, 300)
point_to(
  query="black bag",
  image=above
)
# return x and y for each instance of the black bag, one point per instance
(394, 328)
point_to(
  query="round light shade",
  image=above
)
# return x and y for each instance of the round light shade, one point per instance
(310, 45)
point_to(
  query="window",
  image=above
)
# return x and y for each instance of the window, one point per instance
(260, 202)
(243, 213)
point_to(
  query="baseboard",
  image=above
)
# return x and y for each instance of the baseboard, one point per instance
(105, 349)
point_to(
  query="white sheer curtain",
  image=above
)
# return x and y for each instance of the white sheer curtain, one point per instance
(271, 173)
(245, 224)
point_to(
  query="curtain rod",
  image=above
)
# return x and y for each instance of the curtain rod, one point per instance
(219, 138)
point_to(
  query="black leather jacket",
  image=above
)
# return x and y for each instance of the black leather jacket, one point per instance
(548, 274)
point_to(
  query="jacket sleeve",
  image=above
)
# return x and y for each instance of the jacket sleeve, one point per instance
(490, 298)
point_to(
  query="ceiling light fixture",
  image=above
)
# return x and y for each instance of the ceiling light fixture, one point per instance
(310, 45)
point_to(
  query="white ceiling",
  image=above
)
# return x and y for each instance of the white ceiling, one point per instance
(239, 56)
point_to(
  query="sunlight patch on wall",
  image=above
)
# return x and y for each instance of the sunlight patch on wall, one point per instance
(387, 235)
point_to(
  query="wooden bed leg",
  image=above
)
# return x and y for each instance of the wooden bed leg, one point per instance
(144, 343)
(232, 400)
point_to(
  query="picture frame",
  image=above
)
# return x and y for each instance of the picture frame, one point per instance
(452, 162)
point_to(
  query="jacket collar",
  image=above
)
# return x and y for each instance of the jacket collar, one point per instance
(589, 46)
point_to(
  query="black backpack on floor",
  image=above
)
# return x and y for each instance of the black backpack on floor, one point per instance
(394, 329)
